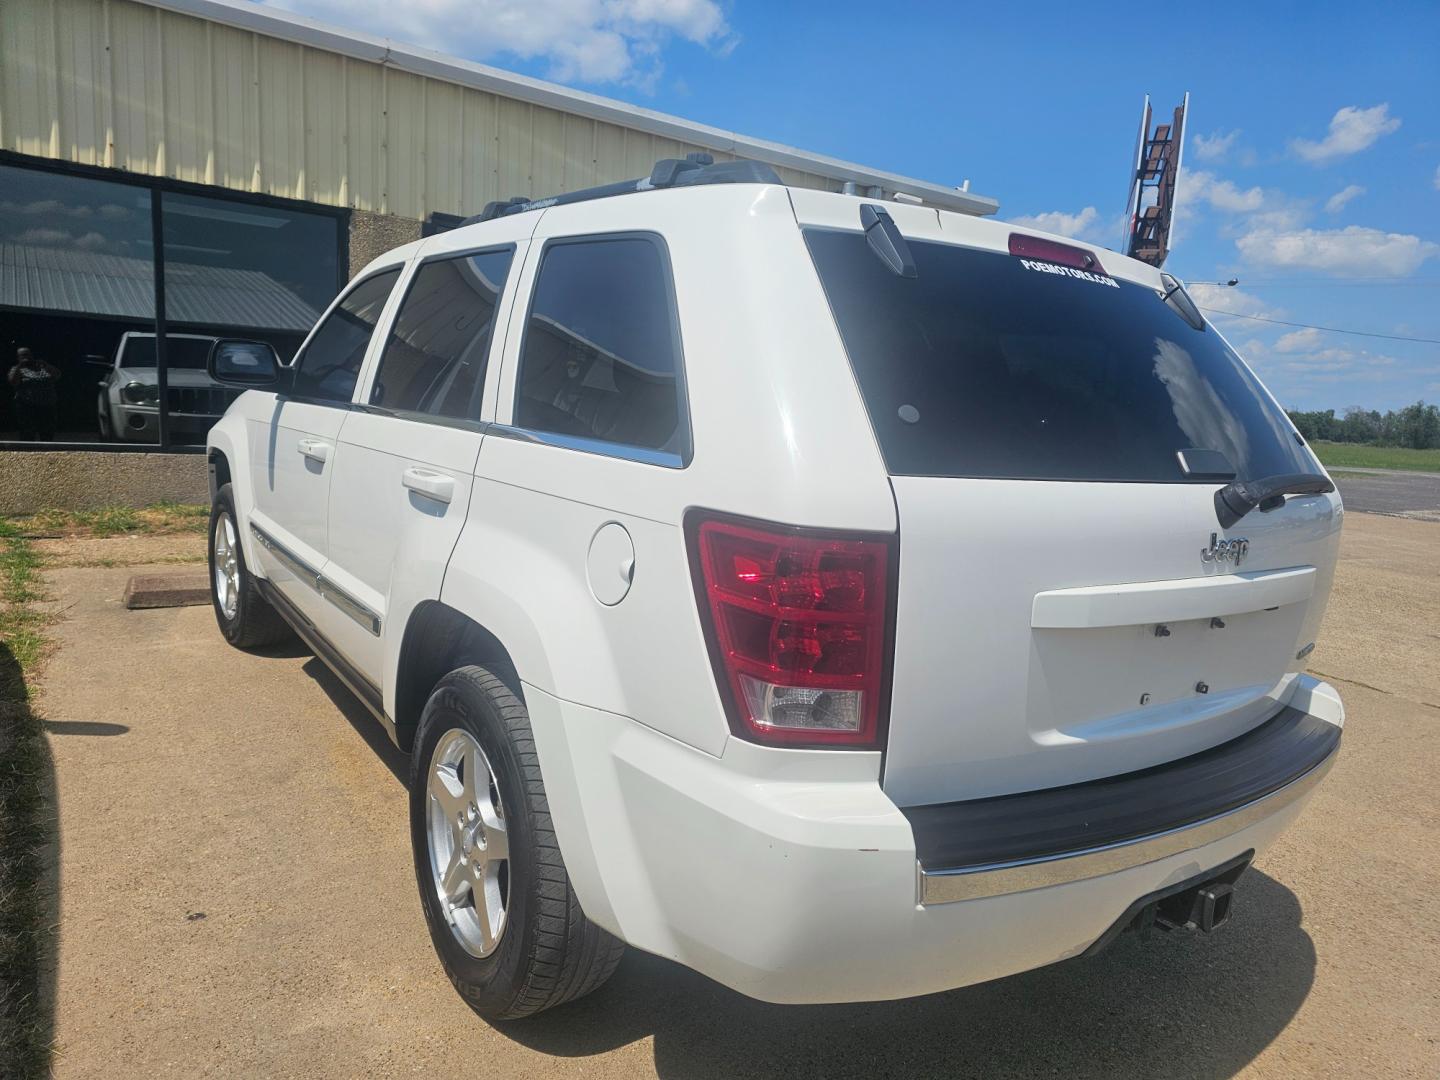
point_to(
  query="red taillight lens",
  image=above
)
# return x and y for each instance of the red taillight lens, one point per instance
(798, 623)
(1037, 247)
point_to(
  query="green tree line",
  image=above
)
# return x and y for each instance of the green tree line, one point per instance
(1416, 426)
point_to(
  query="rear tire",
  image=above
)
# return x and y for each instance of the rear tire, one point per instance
(246, 618)
(476, 790)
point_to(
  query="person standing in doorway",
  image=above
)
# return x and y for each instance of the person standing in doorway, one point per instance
(34, 384)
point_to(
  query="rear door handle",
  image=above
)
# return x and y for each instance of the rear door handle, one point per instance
(314, 449)
(432, 485)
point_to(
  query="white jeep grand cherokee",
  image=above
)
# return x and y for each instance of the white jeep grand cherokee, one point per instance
(846, 600)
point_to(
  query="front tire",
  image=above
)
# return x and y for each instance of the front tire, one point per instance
(246, 618)
(502, 914)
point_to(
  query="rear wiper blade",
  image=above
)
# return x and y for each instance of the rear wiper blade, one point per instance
(1234, 501)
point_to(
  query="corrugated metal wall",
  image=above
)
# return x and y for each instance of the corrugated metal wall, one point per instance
(118, 84)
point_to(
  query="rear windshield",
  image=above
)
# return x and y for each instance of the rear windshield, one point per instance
(988, 365)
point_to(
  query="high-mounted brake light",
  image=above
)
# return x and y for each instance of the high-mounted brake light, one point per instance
(1037, 247)
(798, 625)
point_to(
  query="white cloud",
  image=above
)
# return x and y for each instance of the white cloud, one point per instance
(1353, 251)
(1336, 202)
(1229, 298)
(1338, 364)
(1352, 129)
(1059, 222)
(1220, 302)
(588, 41)
(1279, 219)
(1215, 146)
(1298, 340)
(62, 238)
(1221, 194)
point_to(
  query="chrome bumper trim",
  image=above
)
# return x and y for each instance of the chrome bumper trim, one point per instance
(998, 879)
(318, 581)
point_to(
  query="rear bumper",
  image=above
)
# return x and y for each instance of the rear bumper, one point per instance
(791, 877)
(989, 847)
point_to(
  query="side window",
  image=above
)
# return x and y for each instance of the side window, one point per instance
(330, 364)
(601, 356)
(434, 360)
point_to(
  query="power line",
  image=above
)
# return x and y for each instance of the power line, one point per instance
(1327, 329)
(1346, 279)
(1373, 283)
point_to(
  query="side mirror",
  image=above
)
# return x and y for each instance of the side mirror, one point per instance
(243, 363)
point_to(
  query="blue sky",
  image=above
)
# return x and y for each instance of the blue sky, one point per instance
(1313, 163)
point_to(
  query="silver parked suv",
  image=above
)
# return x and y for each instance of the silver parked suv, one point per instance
(128, 404)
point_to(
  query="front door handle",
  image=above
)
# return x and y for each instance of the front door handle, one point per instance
(432, 485)
(314, 449)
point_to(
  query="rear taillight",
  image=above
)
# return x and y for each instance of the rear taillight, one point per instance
(798, 625)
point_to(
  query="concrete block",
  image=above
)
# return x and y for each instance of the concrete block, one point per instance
(178, 588)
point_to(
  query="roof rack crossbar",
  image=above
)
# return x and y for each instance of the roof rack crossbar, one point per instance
(693, 171)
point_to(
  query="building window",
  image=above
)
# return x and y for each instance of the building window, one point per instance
(77, 288)
(435, 359)
(601, 356)
(78, 305)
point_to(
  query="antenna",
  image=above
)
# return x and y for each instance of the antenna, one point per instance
(1150, 206)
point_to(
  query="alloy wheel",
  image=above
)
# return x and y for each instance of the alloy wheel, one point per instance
(227, 567)
(468, 842)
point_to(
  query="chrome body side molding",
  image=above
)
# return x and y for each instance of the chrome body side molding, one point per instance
(318, 581)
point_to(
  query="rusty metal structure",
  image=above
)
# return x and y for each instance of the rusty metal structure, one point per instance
(1150, 209)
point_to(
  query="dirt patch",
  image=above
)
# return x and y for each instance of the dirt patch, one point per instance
(133, 550)
(1382, 627)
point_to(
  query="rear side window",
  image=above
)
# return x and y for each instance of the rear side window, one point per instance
(330, 363)
(988, 365)
(434, 361)
(601, 356)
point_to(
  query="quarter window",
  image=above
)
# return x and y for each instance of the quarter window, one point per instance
(434, 360)
(601, 357)
(330, 364)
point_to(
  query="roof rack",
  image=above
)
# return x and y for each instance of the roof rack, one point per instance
(691, 171)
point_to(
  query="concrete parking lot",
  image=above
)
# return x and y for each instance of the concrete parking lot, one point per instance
(236, 898)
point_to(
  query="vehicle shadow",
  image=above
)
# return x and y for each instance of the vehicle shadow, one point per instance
(29, 877)
(359, 718)
(1163, 1005)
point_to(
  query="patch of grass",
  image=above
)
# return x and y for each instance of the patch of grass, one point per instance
(111, 521)
(108, 563)
(1359, 455)
(176, 517)
(162, 519)
(25, 1040)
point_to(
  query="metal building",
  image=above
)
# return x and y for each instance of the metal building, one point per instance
(217, 167)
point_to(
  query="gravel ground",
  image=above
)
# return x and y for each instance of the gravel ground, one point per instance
(236, 895)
